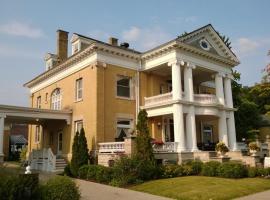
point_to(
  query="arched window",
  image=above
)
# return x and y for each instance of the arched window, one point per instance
(56, 99)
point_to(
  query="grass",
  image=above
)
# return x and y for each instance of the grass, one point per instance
(11, 168)
(202, 188)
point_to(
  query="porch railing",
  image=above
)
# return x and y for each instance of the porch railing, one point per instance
(111, 147)
(43, 160)
(205, 98)
(166, 147)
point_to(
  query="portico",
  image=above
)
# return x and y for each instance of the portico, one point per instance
(183, 105)
(25, 115)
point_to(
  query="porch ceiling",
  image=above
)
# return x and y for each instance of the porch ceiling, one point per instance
(27, 115)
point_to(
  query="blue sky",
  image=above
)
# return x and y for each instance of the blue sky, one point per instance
(28, 31)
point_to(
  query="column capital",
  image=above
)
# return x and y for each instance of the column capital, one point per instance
(2, 115)
(229, 76)
(191, 65)
(176, 62)
(218, 74)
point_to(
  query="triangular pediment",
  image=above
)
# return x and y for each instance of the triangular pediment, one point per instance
(207, 39)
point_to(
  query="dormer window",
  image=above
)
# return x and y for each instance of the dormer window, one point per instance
(50, 60)
(76, 47)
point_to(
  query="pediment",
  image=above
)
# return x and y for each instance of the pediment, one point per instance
(207, 39)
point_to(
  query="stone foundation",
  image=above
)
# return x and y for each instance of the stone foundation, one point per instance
(107, 159)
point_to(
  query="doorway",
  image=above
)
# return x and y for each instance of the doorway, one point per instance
(60, 143)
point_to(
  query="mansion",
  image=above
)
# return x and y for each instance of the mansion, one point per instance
(183, 84)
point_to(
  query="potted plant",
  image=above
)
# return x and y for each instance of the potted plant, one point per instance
(222, 149)
(253, 148)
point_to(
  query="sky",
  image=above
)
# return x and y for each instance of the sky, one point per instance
(28, 31)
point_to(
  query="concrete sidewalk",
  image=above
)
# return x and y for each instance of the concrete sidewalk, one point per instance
(95, 191)
(257, 196)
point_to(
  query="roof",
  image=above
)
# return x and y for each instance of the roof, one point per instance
(93, 47)
(18, 139)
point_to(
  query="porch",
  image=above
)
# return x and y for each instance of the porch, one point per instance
(45, 125)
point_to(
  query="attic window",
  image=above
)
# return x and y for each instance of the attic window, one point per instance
(76, 47)
(204, 45)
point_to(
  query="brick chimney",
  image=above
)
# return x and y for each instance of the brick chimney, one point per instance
(113, 41)
(62, 45)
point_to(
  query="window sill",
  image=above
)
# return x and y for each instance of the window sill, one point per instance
(125, 98)
(78, 100)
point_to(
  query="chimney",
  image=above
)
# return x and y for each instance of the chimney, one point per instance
(62, 45)
(113, 41)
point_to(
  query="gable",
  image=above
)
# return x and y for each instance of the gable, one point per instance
(207, 39)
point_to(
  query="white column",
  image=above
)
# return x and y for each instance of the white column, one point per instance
(219, 88)
(176, 79)
(191, 130)
(228, 91)
(232, 132)
(222, 128)
(178, 124)
(2, 124)
(188, 82)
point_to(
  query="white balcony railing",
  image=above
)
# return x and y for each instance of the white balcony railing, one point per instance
(205, 98)
(163, 98)
(111, 147)
(158, 99)
(166, 147)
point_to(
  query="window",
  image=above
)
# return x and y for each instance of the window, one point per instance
(56, 99)
(123, 128)
(123, 86)
(37, 134)
(39, 102)
(79, 89)
(78, 125)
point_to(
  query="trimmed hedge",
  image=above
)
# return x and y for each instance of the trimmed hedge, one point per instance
(210, 168)
(60, 188)
(232, 170)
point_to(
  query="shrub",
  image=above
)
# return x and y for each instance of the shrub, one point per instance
(23, 155)
(83, 171)
(60, 188)
(103, 174)
(232, 170)
(210, 168)
(170, 171)
(79, 152)
(193, 167)
(263, 171)
(67, 170)
(252, 172)
(19, 187)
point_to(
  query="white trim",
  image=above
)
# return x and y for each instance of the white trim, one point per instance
(63, 74)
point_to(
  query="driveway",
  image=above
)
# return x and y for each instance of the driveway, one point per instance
(95, 191)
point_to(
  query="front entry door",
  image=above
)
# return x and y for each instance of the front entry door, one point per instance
(60, 143)
(169, 130)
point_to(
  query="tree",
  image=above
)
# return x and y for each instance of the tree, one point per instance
(144, 150)
(79, 152)
(225, 39)
(83, 148)
(247, 116)
(75, 155)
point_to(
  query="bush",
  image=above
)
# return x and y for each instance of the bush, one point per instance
(19, 187)
(83, 171)
(193, 167)
(263, 171)
(67, 170)
(170, 171)
(60, 188)
(252, 172)
(103, 174)
(232, 170)
(210, 168)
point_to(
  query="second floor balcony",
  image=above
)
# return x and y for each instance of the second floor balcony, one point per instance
(167, 97)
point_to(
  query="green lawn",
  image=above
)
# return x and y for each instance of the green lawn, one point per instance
(201, 187)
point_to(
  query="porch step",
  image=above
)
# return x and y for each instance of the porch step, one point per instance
(60, 164)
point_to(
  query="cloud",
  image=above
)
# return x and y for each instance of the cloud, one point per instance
(244, 46)
(21, 29)
(146, 38)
